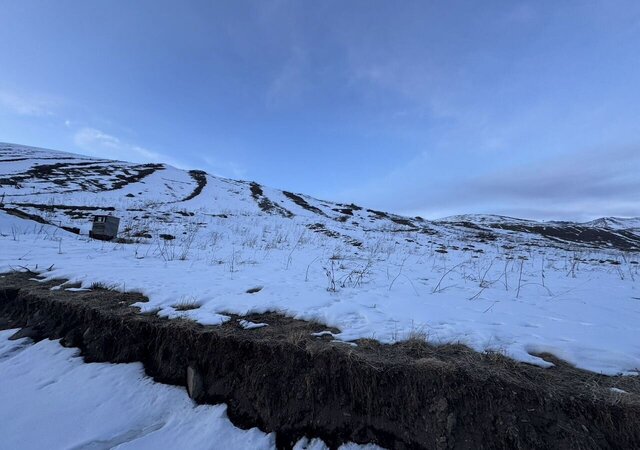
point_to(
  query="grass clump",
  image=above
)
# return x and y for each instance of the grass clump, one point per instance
(186, 304)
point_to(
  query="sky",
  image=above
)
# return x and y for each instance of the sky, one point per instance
(430, 108)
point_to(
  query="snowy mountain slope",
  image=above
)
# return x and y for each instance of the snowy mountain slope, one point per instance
(621, 233)
(616, 223)
(517, 286)
(613, 223)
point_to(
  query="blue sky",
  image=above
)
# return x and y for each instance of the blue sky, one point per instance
(529, 109)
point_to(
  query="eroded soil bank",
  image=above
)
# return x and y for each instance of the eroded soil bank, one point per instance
(282, 378)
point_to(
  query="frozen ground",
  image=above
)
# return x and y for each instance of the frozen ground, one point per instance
(494, 283)
(50, 399)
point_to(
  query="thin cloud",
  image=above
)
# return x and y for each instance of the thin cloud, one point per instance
(596, 175)
(576, 186)
(224, 168)
(580, 186)
(98, 143)
(22, 105)
(289, 83)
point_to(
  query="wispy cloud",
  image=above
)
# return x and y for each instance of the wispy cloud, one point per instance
(223, 168)
(578, 186)
(104, 145)
(27, 105)
(98, 143)
(289, 83)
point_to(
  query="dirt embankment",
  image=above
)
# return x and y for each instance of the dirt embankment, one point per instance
(282, 378)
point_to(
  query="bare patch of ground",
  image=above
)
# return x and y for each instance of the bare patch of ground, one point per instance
(93, 176)
(301, 202)
(200, 177)
(595, 237)
(265, 202)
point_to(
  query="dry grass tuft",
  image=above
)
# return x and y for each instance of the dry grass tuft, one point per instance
(186, 304)
(100, 286)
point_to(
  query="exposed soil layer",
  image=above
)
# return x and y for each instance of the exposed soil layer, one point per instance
(561, 235)
(92, 176)
(265, 202)
(200, 178)
(301, 202)
(624, 240)
(283, 378)
(36, 218)
(322, 229)
(24, 215)
(54, 207)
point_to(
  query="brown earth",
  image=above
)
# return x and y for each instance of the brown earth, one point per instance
(200, 177)
(282, 378)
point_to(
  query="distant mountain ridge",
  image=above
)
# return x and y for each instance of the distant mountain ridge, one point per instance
(613, 223)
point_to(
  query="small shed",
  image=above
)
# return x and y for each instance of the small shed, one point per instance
(104, 227)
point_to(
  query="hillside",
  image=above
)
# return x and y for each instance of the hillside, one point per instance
(494, 283)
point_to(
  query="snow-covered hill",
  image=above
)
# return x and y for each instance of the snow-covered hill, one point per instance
(616, 223)
(517, 286)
